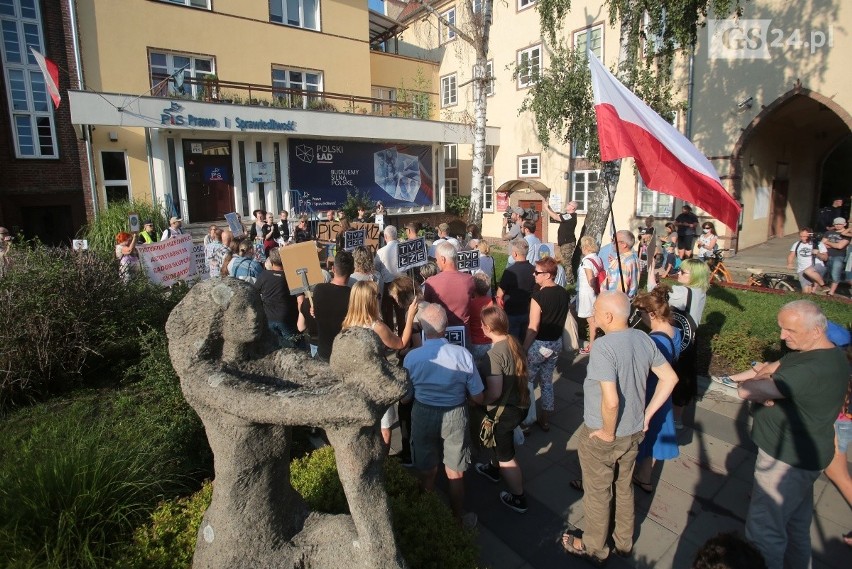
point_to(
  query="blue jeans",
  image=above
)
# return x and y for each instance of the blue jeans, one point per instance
(283, 333)
(835, 267)
(518, 324)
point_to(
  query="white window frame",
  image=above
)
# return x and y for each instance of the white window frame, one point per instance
(387, 95)
(489, 72)
(446, 33)
(449, 90)
(171, 67)
(289, 82)
(281, 17)
(525, 79)
(580, 187)
(529, 166)
(524, 4)
(488, 193)
(112, 183)
(451, 185)
(35, 106)
(190, 3)
(477, 6)
(661, 205)
(451, 156)
(582, 36)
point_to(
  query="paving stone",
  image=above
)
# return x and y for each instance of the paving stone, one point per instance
(670, 507)
(710, 524)
(495, 553)
(831, 505)
(734, 496)
(714, 453)
(652, 542)
(827, 544)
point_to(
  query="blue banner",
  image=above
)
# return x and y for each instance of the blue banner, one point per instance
(398, 175)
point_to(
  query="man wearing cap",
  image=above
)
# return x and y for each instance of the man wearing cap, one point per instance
(836, 243)
(443, 237)
(513, 232)
(173, 230)
(147, 234)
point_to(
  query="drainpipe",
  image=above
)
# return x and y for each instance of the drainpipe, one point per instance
(87, 131)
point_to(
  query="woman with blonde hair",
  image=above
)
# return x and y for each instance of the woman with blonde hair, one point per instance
(364, 313)
(486, 264)
(504, 371)
(587, 285)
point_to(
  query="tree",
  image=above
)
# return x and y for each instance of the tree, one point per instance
(651, 33)
(477, 36)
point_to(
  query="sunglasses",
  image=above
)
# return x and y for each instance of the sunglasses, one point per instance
(540, 273)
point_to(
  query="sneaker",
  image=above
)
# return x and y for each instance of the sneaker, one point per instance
(725, 380)
(517, 503)
(489, 471)
(469, 521)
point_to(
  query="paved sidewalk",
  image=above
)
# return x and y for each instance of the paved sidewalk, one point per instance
(703, 492)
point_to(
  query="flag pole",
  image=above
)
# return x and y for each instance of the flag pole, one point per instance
(610, 171)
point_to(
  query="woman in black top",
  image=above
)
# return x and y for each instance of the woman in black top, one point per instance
(543, 342)
(302, 233)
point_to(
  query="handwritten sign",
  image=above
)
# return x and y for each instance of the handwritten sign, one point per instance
(299, 259)
(234, 224)
(467, 260)
(327, 232)
(412, 253)
(354, 238)
(169, 261)
(200, 261)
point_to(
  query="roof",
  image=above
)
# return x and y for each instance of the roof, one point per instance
(382, 28)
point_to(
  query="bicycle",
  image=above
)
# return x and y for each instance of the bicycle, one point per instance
(778, 281)
(719, 271)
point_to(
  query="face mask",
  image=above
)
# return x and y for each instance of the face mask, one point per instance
(706, 231)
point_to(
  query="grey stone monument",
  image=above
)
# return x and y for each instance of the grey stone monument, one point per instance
(249, 394)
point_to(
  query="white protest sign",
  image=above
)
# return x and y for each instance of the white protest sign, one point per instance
(412, 253)
(234, 224)
(133, 222)
(198, 251)
(467, 260)
(353, 238)
(169, 261)
(80, 244)
(453, 334)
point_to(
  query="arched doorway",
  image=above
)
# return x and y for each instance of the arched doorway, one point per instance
(778, 163)
(526, 194)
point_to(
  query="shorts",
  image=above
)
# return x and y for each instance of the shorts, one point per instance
(843, 429)
(685, 242)
(504, 429)
(390, 418)
(805, 281)
(438, 432)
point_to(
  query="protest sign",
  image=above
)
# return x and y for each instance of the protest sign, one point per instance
(198, 251)
(353, 238)
(467, 260)
(234, 224)
(169, 261)
(80, 244)
(412, 253)
(301, 259)
(133, 222)
(453, 334)
(327, 232)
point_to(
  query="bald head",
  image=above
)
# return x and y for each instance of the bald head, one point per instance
(612, 309)
(227, 237)
(433, 319)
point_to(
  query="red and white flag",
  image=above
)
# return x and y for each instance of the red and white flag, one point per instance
(667, 161)
(51, 76)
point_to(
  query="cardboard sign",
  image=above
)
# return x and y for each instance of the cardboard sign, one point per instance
(299, 259)
(354, 238)
(169, 261)
(453, 334)
(234, 224)
(133, 222)
(467, 260)
(327, 232)
(412, 253)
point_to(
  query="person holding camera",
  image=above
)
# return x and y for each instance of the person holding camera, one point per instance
(809, 258)
(512, 224)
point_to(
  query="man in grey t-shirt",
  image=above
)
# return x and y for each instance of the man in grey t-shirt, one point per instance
(615, 418)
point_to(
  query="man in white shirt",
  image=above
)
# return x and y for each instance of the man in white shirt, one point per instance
(443, 237)
(809, 260)
(173, 230)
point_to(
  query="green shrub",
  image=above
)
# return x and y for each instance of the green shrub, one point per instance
(64, 312)
(355, 200)
(426, 532)
(110, 222)
(458, 205)
(736, 349)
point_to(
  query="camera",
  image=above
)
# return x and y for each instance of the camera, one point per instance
(810, 234)
(507, 215)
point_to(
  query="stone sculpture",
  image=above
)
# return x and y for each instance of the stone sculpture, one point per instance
(249, 394)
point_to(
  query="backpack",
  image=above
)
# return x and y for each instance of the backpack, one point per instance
(600, 277)
(685, 322)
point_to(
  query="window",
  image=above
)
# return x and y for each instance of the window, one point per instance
(529, 66)
(528, 166)
(651, 202)
(170, 71)
(452, 187)
(579, 149)
(594, 35)
(489, 72)
(654, 42)
(385, 94)
(299, 13)
(477, 6)
(193, 3)
(583, 185)
(294, 87)
(30, 106)
(488, 193)
(451, 156)
(445, 32)
(449, 96)
(114, 174)
(490, 151)
(524, 4)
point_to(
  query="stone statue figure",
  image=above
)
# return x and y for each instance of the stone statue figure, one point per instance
(249, 394)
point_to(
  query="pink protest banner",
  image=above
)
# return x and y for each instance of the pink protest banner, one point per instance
(169, 261)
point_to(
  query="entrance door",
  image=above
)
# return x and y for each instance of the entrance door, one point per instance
(209, 180)
(536, 205)
(778, 215)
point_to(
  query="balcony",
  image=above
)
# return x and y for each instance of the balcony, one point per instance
(211, 89)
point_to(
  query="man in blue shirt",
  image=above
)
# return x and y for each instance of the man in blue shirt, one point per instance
(444, 376)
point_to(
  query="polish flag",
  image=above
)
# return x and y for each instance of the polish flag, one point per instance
(667, 161)
(51, 76)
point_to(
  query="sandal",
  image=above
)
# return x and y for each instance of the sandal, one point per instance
(577, 485)
(569, 544)
(646, 487)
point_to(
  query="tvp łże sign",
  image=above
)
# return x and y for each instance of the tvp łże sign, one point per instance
(412, 254)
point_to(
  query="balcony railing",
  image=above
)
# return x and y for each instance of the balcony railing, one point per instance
(214, 90)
